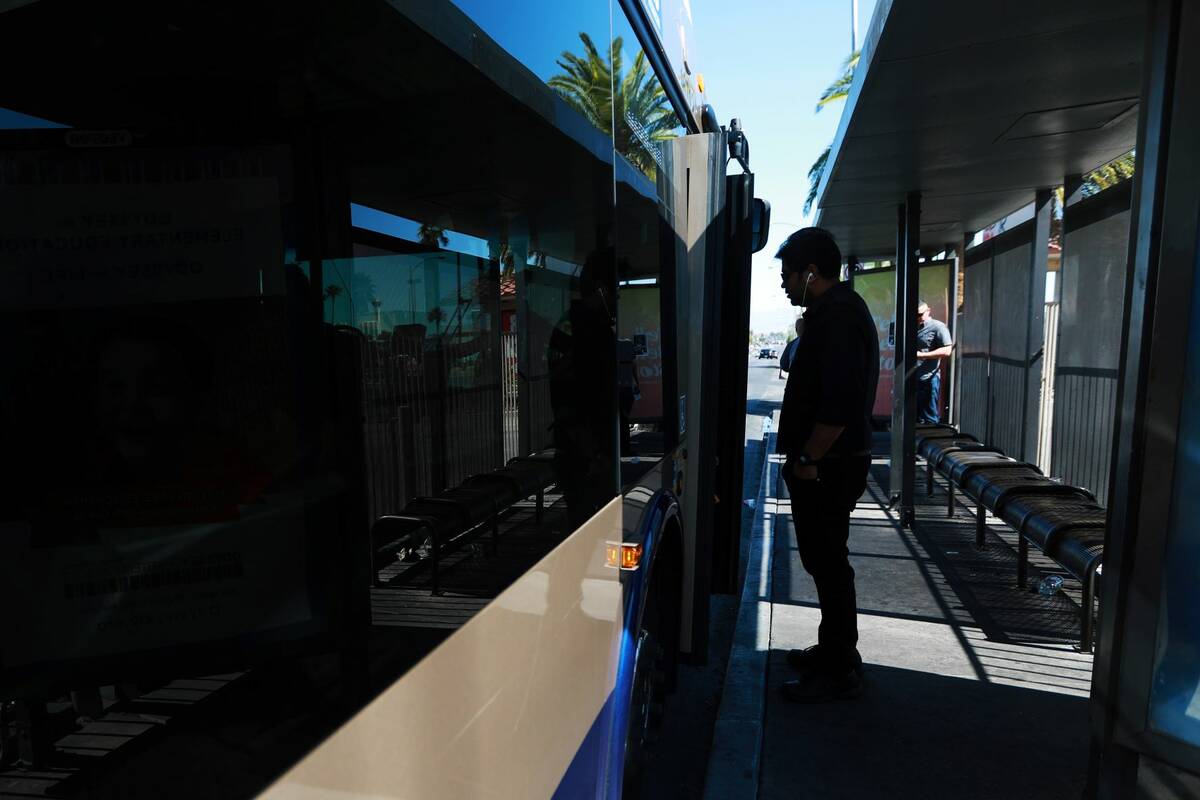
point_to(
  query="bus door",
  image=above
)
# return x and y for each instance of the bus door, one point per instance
(747, 220)
(719, 224)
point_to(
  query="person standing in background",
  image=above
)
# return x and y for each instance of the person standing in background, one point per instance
(933, 344)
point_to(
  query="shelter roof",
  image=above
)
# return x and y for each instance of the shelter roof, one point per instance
(976, 105)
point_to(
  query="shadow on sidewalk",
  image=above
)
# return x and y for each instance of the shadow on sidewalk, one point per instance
(915, 734)
(973, 687)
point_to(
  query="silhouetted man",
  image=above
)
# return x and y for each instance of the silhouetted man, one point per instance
(825, 433)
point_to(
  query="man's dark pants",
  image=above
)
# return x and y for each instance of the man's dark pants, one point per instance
(929, 395)
(821, 514)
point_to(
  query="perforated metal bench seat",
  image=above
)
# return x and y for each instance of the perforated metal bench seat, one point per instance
(935, 434)
(993, 487)
(959, 465)
(479, 500)
(935, 450)
(1069, 531)
(504, 489)
(392, 533)
(1041, 518)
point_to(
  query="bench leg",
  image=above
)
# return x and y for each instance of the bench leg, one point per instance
(928, 478)
(433, 566)
(1086, 628)
(541, 505)
(980, 525)
(1022, 561)
(949, 498)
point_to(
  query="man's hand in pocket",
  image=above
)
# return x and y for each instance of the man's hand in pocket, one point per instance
(804, 472)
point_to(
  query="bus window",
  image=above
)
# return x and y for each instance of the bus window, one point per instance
(646, 253)
(261, 297)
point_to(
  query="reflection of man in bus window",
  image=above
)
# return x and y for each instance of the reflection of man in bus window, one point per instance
(628, 387)
(933, 344)
(581, 358)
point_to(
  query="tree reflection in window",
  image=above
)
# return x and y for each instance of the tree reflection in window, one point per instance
(601, 89)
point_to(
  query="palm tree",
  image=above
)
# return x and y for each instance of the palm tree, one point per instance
(332, 291)
(1119, 169)
(436, 316)
(432, 236)
(836, 92)
(840, 89)
(604, 92)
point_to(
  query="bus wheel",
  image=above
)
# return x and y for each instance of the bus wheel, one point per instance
(646, 702)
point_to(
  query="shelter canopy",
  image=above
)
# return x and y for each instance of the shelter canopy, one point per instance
(976, 106)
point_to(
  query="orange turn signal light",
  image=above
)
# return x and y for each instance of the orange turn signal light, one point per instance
(621, 555)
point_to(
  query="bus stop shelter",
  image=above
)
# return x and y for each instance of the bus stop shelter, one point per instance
(962, 116)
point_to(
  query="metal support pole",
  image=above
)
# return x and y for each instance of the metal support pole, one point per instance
(904, 423)
(1034, 324)
(1087, 623)
(980, 526)
(1022, 561)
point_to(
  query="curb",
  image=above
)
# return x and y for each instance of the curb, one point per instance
(735, 757)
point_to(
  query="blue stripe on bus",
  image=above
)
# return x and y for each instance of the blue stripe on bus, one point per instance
(585, 774)
(598, 767)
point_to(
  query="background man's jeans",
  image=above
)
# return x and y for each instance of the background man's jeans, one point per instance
(929, 395)
(821, 515)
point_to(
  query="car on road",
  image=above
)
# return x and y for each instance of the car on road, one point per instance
(767, 352)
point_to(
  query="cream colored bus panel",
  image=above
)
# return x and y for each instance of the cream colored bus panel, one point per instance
(486, 714)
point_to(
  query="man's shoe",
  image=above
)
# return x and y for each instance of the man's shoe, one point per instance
(809, 660)
(820, 687)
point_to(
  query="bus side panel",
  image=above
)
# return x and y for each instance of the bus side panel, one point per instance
(502, 707)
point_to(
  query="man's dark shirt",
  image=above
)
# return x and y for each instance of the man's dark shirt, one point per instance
(833, 375)
(932, 335)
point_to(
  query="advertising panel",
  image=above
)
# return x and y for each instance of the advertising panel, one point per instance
(878, 289)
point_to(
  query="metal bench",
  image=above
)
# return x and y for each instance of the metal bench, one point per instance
(1064, 522)
(447, 519)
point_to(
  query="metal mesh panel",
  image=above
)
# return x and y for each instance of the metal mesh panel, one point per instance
(1007, 392)
(511, 391)
(396, 421)
(1009, 356)
(974, 334)
(1093, 291)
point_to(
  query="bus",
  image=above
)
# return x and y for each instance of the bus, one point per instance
(370, 425)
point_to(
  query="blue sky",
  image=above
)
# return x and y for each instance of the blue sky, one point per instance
(766, 62)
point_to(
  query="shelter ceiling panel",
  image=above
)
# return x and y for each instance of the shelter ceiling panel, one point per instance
(976, 106)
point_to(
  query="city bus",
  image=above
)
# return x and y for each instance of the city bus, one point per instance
(370, 427)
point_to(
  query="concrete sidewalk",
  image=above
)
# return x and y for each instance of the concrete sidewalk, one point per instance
(973, 686)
